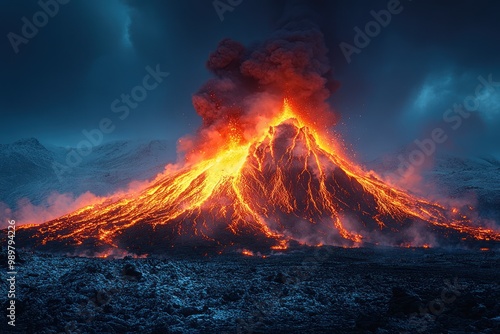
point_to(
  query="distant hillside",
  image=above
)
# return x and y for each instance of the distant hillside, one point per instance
(472, 178)
(26, 168)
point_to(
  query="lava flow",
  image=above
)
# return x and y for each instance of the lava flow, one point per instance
(290, 183)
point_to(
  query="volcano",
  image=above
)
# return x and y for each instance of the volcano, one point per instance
(288, 185)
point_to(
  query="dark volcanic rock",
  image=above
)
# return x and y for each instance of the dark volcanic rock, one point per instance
(233, 296)
(280, 278)
(187, 311)
(130, 272)
(369, 321)
(469, 306)
(237, 294)
(403, 302)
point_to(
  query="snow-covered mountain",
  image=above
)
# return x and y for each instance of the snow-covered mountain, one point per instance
(26, 171)
(27, 168)
(469, 179)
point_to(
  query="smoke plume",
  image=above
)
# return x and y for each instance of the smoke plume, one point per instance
(250, 84)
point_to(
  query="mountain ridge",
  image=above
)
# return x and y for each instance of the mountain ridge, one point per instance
(27, 170)
(283, 187)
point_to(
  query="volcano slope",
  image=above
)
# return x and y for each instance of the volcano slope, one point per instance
(288, 184)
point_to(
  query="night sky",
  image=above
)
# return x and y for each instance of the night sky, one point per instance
(394, 90)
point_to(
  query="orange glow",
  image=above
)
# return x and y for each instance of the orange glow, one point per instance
(283, 245)
(229, 188)
(247, 252)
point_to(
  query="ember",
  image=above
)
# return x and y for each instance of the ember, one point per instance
(290, 183)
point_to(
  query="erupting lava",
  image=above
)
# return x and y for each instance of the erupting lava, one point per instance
(289, 183)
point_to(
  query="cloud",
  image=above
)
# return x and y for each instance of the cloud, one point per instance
(291, 64)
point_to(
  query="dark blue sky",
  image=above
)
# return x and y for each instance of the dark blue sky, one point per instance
(395, 90)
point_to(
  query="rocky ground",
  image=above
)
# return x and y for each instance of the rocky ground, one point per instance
(319, 290)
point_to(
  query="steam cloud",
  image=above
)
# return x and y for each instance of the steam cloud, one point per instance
(57, 204)
(54, 206)
(251, 83)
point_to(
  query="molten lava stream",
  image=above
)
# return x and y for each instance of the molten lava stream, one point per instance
(290, 182)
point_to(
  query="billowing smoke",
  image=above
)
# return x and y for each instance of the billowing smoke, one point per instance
(251, 83)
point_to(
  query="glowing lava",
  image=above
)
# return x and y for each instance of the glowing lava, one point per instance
(290, 182)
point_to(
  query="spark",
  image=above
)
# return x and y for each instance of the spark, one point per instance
(260, 187)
